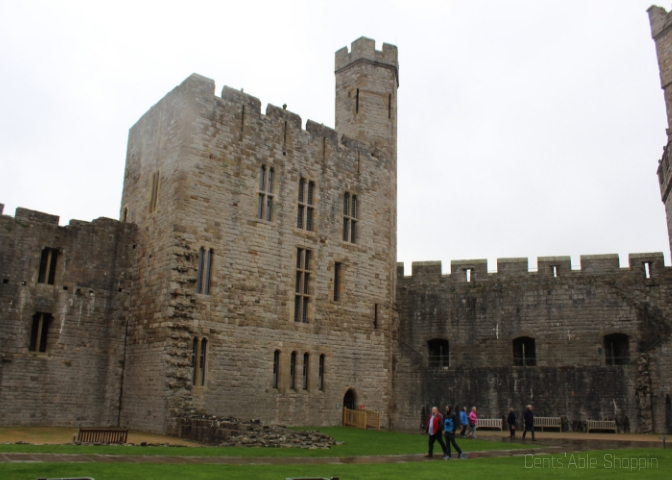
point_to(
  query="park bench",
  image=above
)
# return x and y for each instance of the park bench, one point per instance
(547, 422)
(102, 435)
(490, 423)
(601, 425)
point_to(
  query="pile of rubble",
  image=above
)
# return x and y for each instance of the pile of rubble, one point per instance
(232, 432)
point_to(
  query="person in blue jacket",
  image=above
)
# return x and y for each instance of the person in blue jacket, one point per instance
(449, 428)
(464, 420)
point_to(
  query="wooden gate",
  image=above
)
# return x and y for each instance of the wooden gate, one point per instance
(361, 419)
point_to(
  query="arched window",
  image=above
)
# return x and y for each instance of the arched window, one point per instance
(438, 353)
(617, 349)
(524, 354)
(276, 368)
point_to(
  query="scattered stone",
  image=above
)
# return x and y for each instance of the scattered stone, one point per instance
(232, 432)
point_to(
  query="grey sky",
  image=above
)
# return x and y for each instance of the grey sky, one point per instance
(526, 128)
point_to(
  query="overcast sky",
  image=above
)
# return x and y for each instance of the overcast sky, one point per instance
(526, 128)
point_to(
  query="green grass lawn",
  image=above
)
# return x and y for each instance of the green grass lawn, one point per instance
(357, 443)
(500, 468)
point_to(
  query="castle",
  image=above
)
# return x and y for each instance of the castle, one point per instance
(253, 273)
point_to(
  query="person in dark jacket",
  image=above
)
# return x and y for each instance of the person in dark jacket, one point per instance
(434, 429)
(449, 427)
(528, 417)
(511, 420)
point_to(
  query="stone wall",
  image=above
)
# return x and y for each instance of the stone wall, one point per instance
(568, 315)
(77, 379)
(209, 151)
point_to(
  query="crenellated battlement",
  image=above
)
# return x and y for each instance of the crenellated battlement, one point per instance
(546, 266)
(274, 117)
(364, 49)
(34, 217)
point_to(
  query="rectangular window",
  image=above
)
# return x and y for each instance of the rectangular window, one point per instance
(154, 195)
(198, 357)
(302, 285)
(306, 360)
(350, 218)
(265, 195)
(306, 214)
(292, 371)
(39, 332)
(48, 261)
(276, 367)
(647, 269)
(337, 281)
(203, 274)
(320, 380)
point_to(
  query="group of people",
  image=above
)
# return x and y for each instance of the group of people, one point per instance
(438, 427)
(528, 421)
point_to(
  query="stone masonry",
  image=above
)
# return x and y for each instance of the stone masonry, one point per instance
(208, 153)
(253, 274)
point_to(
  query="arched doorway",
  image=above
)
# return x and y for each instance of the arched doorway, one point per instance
(350, 400)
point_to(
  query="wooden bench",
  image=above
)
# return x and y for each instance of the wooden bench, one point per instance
(102, 435)
(547, 422)
(601, 425)
(489, 423)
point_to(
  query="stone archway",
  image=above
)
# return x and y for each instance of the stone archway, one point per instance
(350, 399)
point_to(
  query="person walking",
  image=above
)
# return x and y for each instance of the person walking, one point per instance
(449, 428)
(528, 418)
(473, 422)
(511, 420)
(464, 420)
(434, 430)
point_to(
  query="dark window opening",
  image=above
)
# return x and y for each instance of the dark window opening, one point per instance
(292, 371)
(204, 272)
(617, 349)
(40, 332)
(357, 102)
(524, 354)
(375, 315)
(337, 281)
(306, 363)
(48, 262)
(438, 353)
(276, 367)
(320, 379)
(306, 210)
(124, 216)
(5, 281)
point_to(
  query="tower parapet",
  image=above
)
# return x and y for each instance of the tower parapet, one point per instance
(366, 93)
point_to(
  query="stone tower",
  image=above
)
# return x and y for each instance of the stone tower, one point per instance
(266, 253)
(661, 31)
(366, 93)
